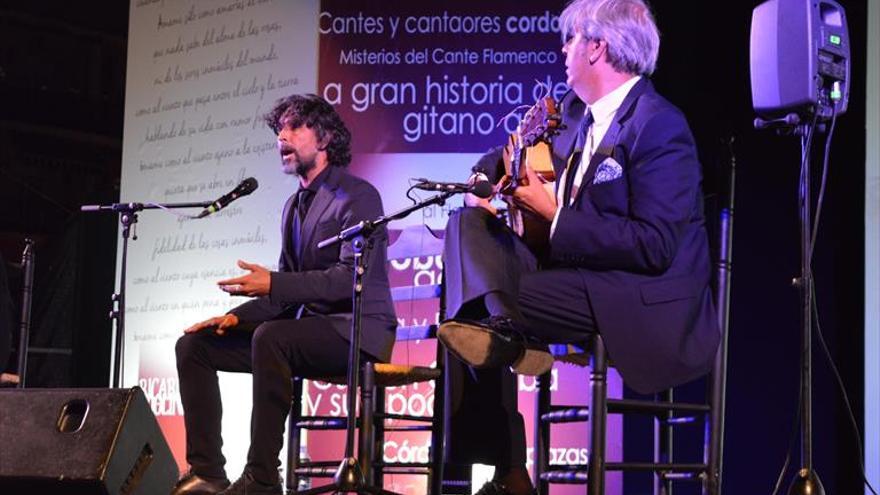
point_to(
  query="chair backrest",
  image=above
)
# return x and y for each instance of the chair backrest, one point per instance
(416, 242)
(723, 266)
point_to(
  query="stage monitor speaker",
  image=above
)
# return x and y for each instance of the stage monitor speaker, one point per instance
(82, 441)
(799, 58)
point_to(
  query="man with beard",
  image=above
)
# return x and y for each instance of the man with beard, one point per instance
(299, 320)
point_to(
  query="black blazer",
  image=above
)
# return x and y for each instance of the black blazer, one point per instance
(319, 281)
(640, 242)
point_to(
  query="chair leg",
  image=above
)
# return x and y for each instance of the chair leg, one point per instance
(542, 432)
(598, 416)
(293, 435)
(366, 436)
(378, 446)
(663, 449)
(714, 435)
(435, 479)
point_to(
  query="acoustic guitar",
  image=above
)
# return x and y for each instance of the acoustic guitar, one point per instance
(529, 145)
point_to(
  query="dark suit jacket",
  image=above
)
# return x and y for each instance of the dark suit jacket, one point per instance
(319, 281)
(640, 242)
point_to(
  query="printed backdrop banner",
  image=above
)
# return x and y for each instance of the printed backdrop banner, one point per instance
(426, 78)
(425, 89)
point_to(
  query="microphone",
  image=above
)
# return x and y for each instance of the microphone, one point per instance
(246, 187)
(480, 188)
(789, 120)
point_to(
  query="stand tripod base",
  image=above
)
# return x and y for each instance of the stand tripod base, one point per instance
(348, 479)
(806, 483)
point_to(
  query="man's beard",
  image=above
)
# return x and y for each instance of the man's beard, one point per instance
(303, 167)
(303, 164)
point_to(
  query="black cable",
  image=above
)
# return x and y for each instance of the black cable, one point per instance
(821, 198)
(815, 305)
(843, 394)
(409, 194)
(794, 430)
(804, 192)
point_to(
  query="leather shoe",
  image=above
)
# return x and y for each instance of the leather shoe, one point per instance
(193, 484)
(493, 488)
(496, 488)
(494, 343)
(247, 485)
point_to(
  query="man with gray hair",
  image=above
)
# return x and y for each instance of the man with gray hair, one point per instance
(628, 258)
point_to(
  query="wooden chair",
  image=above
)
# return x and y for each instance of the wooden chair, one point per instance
(413, 242)
(668, 414)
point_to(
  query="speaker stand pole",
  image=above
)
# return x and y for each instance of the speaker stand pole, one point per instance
(806, 481)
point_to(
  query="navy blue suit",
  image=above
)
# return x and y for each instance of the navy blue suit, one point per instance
(629, 258)
(640, 245)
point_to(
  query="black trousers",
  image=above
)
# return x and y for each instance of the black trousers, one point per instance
(275, 352)
(483, 256)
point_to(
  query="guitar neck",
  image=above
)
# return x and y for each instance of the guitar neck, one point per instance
(516, 158)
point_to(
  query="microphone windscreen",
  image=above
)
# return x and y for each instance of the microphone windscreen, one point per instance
(482, 189)
(248, 186)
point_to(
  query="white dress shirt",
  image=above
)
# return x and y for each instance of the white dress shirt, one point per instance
(604, 109)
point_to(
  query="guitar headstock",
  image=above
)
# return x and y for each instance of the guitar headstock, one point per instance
(541, 122)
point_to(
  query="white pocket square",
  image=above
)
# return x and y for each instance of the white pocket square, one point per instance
(607, 171)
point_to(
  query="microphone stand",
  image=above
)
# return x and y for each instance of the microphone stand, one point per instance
(128, 217)
(27, 291)
(349, 476)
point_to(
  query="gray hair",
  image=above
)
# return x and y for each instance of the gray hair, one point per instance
(626, 25)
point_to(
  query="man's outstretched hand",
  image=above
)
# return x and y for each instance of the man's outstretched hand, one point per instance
(219, 323)
(254, 284)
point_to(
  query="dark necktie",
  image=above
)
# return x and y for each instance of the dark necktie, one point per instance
(303, 201)
(576, 157)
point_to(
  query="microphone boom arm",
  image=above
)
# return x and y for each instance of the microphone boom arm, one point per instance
(366, 227)
(134, 207)
(128, 216)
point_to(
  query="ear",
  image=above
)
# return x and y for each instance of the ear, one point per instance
(325, 143)
(599, 47)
